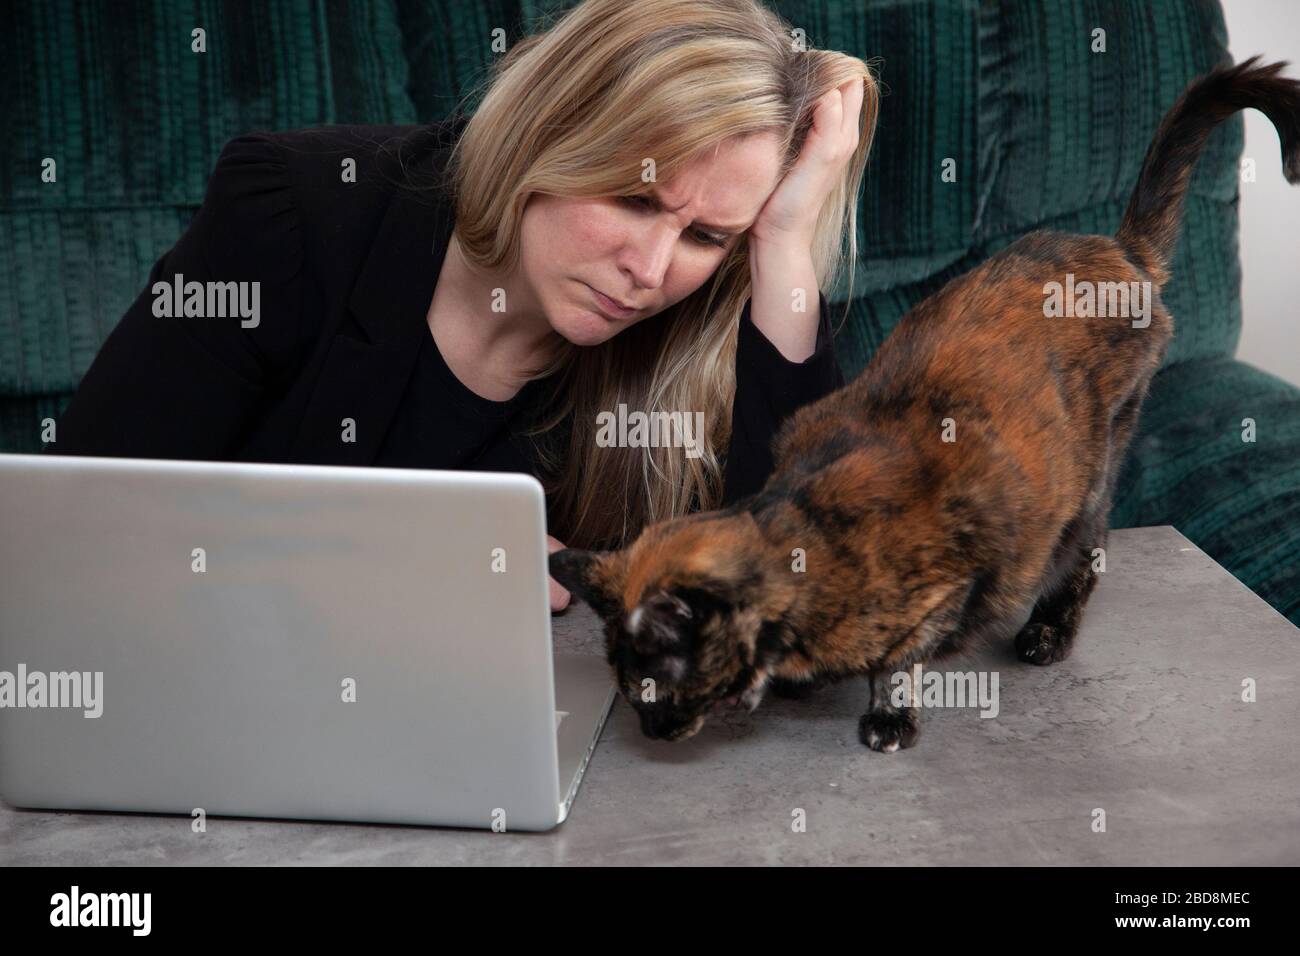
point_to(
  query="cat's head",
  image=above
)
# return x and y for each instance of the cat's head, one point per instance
(690, 615)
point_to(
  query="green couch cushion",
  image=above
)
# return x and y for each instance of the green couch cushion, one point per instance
(135, 120)
(1193, 297)
(1189, 467)
(1063, 132)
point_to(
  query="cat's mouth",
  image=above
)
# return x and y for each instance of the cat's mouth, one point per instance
(735, 702)
(687, 730)
(660, 724)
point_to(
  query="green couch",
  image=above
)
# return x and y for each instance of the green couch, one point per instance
(1044, 132)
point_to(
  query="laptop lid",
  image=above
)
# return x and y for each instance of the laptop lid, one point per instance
(304, 641)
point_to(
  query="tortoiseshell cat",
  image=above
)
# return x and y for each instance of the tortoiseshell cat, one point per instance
(916, 546)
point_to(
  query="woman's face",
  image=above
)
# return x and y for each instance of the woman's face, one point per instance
(645, 254)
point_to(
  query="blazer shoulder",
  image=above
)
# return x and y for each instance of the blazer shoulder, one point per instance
(336, 182)
(316, 163)
(369, 160)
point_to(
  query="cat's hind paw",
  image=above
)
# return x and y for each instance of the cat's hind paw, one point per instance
(888, 730)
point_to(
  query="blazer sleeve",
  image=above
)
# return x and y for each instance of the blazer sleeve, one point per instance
(188, 387)
(769, 389)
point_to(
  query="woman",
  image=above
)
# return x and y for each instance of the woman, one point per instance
(637, 214)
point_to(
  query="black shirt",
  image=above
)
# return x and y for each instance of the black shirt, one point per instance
(441, 423)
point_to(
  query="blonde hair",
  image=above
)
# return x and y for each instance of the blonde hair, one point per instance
(571, 111)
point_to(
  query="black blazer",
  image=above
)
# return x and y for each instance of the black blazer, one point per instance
(346, 272)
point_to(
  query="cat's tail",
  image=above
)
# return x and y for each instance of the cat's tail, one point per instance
(1154, 215)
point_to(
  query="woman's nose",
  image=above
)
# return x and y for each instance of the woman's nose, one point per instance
(649, 256)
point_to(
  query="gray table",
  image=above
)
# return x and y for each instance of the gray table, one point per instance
(1145, 721)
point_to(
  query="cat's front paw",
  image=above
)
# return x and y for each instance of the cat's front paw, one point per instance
(888, 730)
(1042, 644)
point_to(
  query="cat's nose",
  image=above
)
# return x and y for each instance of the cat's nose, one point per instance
(653, 725)
(663, 725)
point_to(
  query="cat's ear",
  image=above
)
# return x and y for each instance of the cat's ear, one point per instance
(590, 575)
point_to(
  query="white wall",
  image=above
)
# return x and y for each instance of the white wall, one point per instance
(1270, 206)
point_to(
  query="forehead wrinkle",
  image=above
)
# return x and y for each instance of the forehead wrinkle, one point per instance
(658, 191)
(728, 228)
(745, 160)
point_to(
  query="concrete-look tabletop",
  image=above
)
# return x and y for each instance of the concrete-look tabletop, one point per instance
(1145, 722)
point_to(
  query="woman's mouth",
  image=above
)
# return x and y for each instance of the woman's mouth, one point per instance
(610, 308)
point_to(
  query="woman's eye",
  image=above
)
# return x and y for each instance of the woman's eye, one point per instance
(703, 238)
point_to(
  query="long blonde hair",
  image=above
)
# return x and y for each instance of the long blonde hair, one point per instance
(571, 111)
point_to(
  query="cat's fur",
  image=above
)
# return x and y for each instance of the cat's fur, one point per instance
(915, 547)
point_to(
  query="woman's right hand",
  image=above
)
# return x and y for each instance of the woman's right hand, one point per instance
(559, 596)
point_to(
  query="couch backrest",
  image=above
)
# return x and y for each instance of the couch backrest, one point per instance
(1042, 131)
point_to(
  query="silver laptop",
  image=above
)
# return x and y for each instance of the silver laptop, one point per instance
(313, 642)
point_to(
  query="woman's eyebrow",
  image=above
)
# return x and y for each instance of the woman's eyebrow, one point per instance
(655, 198)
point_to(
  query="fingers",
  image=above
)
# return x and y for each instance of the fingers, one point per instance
(559, 596)
(844, 117)
(853, 93)
(828, 118)
(838, 117)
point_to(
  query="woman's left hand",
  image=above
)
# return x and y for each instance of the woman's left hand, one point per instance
(790, 214)
(559, 594)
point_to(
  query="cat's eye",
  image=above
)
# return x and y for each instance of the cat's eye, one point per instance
(673, 603)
